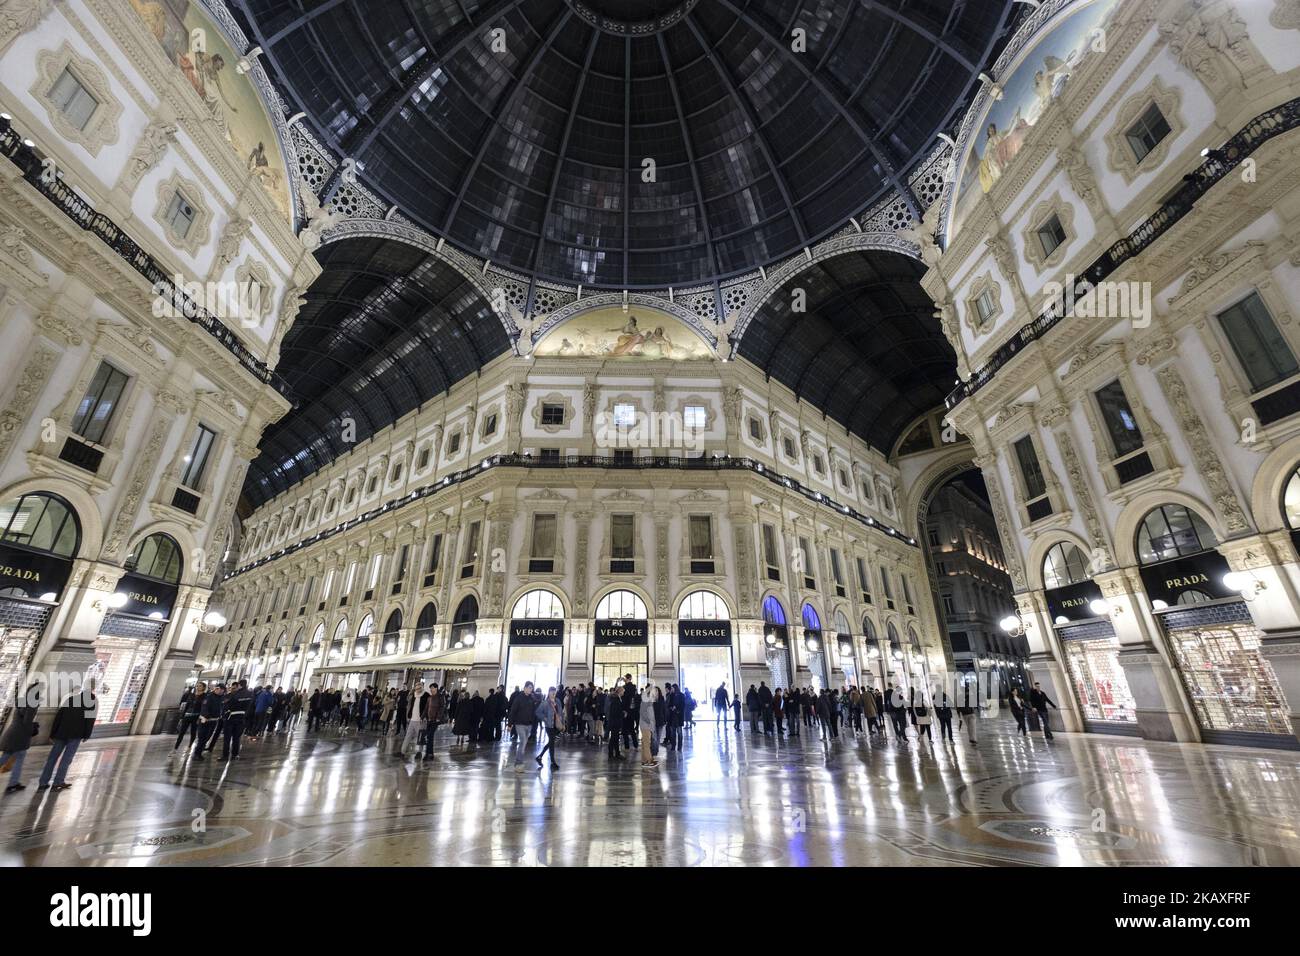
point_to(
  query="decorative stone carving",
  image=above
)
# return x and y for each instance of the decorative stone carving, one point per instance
(1079, 484)
(100, 129)
(1214, 46)
(148, 152)
(988, 465)
(19, 16)
(320, 218)
(56, 327)
(663, 605)
(232, 237)
(1285, 15)
(145, 462)
(17, 410)
(1203, 450)
(985, 284)
(1035, 253)
(589, 393)
(731, 402)
(1082, 179)
(583, 518)
(13, 242)
(1120, 154)
(197, 236)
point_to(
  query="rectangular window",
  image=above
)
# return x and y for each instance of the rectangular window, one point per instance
(423, 461)
(372, 484)
(1118, 416)
(788, 444)
(326, 589)
(469, 557)
(97, 407)
(1145, 134)
(376, 565)
(695, 417)
(934, 537)
(1263, 353)
(180, 215)
(624, 456)
(490, 425)
(73, 100)
(948, 605)
(622, 538)
(985, 306)
(399, 573)
(844, 480)
(907, 594)
(1035, 485)
(306, 594)
(755, 429)
(197, 460)
(549, 454)
(701, 542)
(884, 586)
(1051, 234)
(806, 557)
(453, 446)
(864, 580)
(837, 573)
(435, 556)
(349, 579)
(553, 414)
(770, 554)
(624, 415)
(819, 465)
(543, 549)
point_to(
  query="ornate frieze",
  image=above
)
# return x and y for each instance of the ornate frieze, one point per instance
(21, 402)
(145, 462)
(1079, 484)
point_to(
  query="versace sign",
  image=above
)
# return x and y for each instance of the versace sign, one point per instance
(530, 631)
(704, 632)
(622, 632)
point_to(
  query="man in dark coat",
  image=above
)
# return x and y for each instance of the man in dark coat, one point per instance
(1039, 700)
(765, 706)
(210, 710)
(523, 716)
(239, 704)
(751, 704)
(72, 724)
(18, 733)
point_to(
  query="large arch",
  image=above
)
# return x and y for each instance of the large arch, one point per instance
(1044, 543)
(525, 588)
(1130, 519)
(1270, 483)
(87, 512)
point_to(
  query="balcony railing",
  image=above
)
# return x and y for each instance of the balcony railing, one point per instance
(671, 462)
(66, 200)
(1218, 164)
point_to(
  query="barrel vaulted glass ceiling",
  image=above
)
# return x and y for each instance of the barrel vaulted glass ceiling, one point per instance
(621, 144)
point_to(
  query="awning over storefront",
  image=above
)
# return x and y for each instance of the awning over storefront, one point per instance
(453, 660)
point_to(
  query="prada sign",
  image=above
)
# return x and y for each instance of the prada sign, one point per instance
(145, 596)
(530, 631)
(33, 573)
(1072, 601)
(1202, 572)
(704, 632)
(622, 632)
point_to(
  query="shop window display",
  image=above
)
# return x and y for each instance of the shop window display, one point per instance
(1231, 686)
(1100, 684)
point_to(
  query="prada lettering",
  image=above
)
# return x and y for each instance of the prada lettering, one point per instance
(1075, 602)
(1186, 582)
(143, 598)
(20, 574)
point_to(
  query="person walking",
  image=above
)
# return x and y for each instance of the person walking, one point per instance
(210, 710)
(434, 714)
(17, 737)
(921, 716)
(649, 739)
(765, 706)
(968, 709)
(721, 703)
(239, 703)
(943, 710)
(735, 707)
(417, 701)
(1039, 700)
(523, 715)
(778, 711)
(191, 701)
(614, 724)
(550, 714)
(1018, 711)
(751, 704)
(869, 709)
(72, 724)
(792, 705)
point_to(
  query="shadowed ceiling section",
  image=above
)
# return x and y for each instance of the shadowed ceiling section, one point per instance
(385, 328)
(530, 151)
(868, 351)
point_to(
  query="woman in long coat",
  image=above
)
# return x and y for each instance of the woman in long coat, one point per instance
(17, 737)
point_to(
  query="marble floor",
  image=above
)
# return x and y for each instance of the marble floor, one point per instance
(728, 799)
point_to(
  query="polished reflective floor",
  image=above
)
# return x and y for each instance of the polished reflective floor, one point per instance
(728, 799)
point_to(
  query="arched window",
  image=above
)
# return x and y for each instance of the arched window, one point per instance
(811, 621)
(361, 646)
(1290, 501)
(703, 606)
(913, 639)
(621, 605)
(1193, 596)
(297, 642)
(868, 632)
(392, 628)
(773, 612)
(394, 622)
(283, 641)
(317, 636)
(1172, 531)
(424, 625)
(1065, 564)
(842, 624)
(158, 557)
(41, 522)
(336, 642)
(895, 643)
(462, 622)
(538, 603)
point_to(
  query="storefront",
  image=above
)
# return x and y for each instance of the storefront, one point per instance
(704, 650)
(1210, 634)
(814, 648)
(776, 639)
(39, 537)
(843, 638)
(874, 669)
(130, 634)
(621, 639)
(536, 648)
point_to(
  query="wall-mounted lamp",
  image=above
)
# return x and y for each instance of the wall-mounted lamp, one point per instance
(1245, 582)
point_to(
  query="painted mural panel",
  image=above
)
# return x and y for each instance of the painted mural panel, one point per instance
(612, 333)
(1042, 73)
(196, 47)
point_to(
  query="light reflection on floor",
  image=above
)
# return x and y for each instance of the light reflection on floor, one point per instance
(737, 801)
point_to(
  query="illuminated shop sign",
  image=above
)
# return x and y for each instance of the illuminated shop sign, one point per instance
(622, 632)
(1072, 601)
(32, 573)
(529, 631)
(1171, 580)
(146, 597)
(704, 632)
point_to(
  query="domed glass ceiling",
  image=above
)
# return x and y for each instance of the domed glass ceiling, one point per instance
(629, 144)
